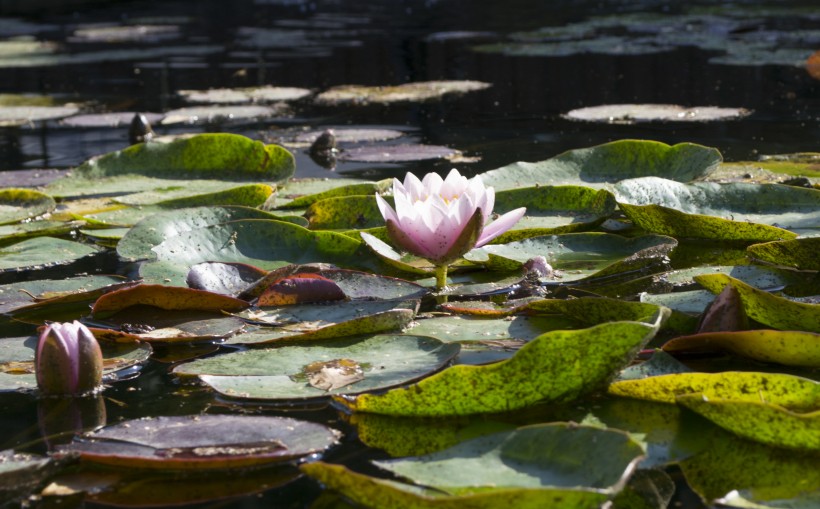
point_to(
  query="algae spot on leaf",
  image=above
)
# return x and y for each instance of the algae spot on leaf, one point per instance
(333, 374)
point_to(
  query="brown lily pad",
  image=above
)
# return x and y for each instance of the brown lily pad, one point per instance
(165, 297)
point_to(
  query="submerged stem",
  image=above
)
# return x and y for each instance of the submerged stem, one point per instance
(441, 276)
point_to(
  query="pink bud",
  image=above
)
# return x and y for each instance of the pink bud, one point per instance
(68, 359)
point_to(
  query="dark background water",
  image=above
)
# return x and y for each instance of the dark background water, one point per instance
(319, 44)
(322, 43)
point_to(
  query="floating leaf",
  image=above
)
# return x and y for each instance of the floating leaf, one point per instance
(262, 243)
(224, 278)
(138, 243)
(11, 116)
(771, 477)
(20, 472)
(546, 368)
(795, 393)
(590, 311)
(324, 321)
(661, 363)
(635, 113)
(204, 442)
(791, 348)
(284, 373)
(800, 254)
(108, 120)
(776, 312)
(646, 489)
(576, 255)
(23, 293)
(349, 190)
(164, 297)
(408, 92)
(554, 209)
(218, 114)
(499, 469)
(610, 162)
(224, 156)
(344, 212)
(397, 153)
(41, 252)
(668, 221)
(13, 233)
(154, 325)
(243, 95)
(786, 207)
(759, 421)
(19, 204)
(300, 288)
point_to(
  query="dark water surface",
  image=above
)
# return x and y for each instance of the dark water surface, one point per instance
(323, 43)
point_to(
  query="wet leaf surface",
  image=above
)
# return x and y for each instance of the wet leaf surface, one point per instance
(790, 348)
(635, 113)
(204, 442)
(164, 297)
(41, 252)
(408, 92)
(284, 373)
(800, 254)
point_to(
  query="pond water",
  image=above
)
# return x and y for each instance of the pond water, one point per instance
(538, 57)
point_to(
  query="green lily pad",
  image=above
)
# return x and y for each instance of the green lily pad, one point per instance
(150, 324)
(325, 321)
(646, 489)
(17, 361)
(21, 472)
(355, 189)
(792, 392)
(138, 243)
(19, 204)
(759, 421)
(791, 348)
(669, 221)
(42, 252)
(545, 369)
(768, 477)
(786, 207)
(759, 276)
(278, 373)
(576, 255)
(498, 469)
(408, 92)
(344, 212)
(203, 442)
(610, 162)
(776, 312)
(553, 209)
(13, 233)
(800, 254)
(23, 293)
(262, 243)
(297, 188)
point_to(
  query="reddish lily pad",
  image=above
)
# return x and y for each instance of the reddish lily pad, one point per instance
(300, 289)
(165, 297)
(203, 442)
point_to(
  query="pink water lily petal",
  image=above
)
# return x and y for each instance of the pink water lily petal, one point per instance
(386, 210)
(500, 225)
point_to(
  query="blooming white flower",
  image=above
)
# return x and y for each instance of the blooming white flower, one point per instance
(441, 219)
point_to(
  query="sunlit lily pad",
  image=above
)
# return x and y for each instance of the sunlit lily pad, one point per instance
(766, 308)
(243, 95)
(139, 242)
(792, 392)
(11, 116)
(119, 119)
(20, 472)
(634, 113)
(800, 254)
(786, 207)
(265, 244)
(408, 92)
(791, 348)
(344, 212)
(204, 442)
(753, 476)
(217, 114)
(23, 293)
(610, 162)
(42, 252)
(352, 135)
(397, 153)
(150, 324)
(576, 255)
(164, 297)
(19, 204)
(126, 33)
(324, 321)
(279, 374)
(545, 369)
(553, 209)
(759, 421)
(670, 221)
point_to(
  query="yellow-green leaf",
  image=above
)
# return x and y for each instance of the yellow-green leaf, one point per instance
(556, 366)
(793, 392)
(792, 348)
(776, 312)
(759, 421)
(800, 254)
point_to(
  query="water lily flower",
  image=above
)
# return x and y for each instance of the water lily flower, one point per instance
(441, 219)
(68, 359)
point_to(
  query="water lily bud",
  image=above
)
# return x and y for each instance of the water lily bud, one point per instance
(441, 219)
(68, 360)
